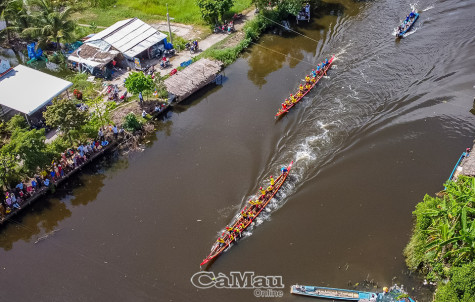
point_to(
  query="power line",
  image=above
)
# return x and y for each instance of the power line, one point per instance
(290, 29)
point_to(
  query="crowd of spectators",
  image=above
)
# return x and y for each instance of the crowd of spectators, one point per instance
(71, 159)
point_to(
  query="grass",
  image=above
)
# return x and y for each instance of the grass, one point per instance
(183, 11)
(252, 31)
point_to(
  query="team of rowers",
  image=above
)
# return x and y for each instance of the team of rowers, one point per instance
(248, 214)
(310, 81)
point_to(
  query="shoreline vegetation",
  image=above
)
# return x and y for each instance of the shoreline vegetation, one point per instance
(442, 246)
(83, 118)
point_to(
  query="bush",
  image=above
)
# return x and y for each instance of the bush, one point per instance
(131, 123)
(56, 147)
(461, 286)
(17, 122)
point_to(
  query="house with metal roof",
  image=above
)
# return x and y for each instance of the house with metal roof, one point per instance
(118, 44)
(27, 91)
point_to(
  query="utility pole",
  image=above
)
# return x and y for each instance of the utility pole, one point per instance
(169, 28)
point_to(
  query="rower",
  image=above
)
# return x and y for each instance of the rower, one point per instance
(283, 170)
(299, 95)
(263, 192)
(308, 86)
(272, 181)
(284, 106)
(307, 79)
(326, 62)
(221, 241)
(301, 88)
(318, 69)
(270, 188)
(292, 99)
(314, 74)
(287, 102)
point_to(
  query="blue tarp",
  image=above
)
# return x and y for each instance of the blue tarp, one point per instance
(186, 63)
(32, 54)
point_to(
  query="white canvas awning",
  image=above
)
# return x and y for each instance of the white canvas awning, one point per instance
(27, 90)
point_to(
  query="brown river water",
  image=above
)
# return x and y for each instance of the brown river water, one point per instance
(383, 129)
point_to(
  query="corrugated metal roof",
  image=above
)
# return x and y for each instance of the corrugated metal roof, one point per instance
(131, 36)
(26, 90)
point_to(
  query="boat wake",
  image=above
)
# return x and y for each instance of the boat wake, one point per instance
(428, 8)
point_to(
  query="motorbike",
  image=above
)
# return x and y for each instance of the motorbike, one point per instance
(237, 16)
(124, 96)
(169, 52)
(219, 29)
(164, 64)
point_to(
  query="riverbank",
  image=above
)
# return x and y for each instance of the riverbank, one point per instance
(442, 246)
(144, 110)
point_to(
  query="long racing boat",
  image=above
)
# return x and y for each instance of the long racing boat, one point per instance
(314, 81)
(244, 219)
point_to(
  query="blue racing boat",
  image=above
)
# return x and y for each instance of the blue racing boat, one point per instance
(333, 293)
(407, 24)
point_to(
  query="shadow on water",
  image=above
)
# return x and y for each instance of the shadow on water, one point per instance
(44, 216)
(41, 217)
(274, 51)
(196, 98)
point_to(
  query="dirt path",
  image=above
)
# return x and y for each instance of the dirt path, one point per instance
(204, 44)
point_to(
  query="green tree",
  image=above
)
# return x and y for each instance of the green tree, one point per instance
(100, 112)
(65, 115)
(17, 122)
(52, 23)
(10, 172)
(30, 149)
(213, 10)
(461, 285)
(285, 6)
(138, 82)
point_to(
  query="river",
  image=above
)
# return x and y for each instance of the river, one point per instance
(382, 130)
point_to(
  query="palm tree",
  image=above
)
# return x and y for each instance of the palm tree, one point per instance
(16, 16)
(53, 23)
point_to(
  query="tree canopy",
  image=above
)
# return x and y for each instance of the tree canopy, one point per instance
(65, 115)
(52, 23)
(139, 82)
(213, 10)
(29, 148)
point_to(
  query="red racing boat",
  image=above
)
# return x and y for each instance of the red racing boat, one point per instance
(244, 219)
(317, 78)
